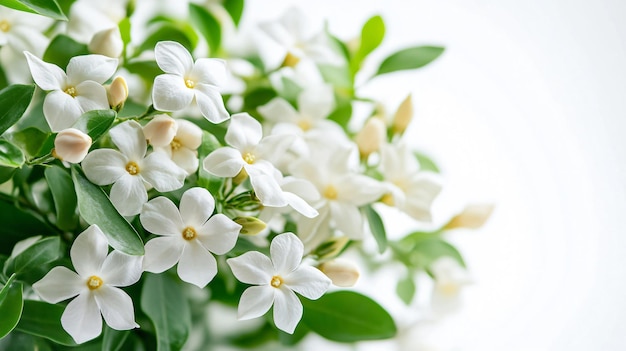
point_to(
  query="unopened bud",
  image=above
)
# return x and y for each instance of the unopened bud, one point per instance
(371, 137)
(117, 93)
(472, 217)
(71, 145)
(403, 116)
(250, 225)
(240, 177)
(332, 247)
(343, 273)
(107, 42)
(290, 60)
(161, 130)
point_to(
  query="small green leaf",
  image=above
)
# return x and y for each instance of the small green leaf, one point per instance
(62, 48)
(64, 196)
(342, 113)
(18, 224)
(205, 179)
(346, 316)
(426, 252)
(169, 31)
(258, 97)
(43, 319)
(48, 8)
(372, 36)
(377, 227)
(96, 208)
(426, 163)
(235, 9)
(95, 123)
(124, 27)
(24, 342)
(14, 101)
(163, 301)
(208, 25)
(406, 289)
(410, 58)
(32, 140)
(147, 70)
(35, 257)
(10, 155)
(113, 340)
(11, 304)
(338, 76)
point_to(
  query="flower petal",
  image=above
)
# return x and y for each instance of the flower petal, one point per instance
(160, 216)
(196, 265)
(129, 138)
(98, 68)
(252, 268)
(219, 234)
(91, 96)
(196, 206)
(186, 159)
(255, 301)
(128, 195)
(347, 218)
(358, 189)
(209, 71)
(317, 102)
(162, 253)
(61, 110)
(104, 166)
(89, 251)
(46, 75)
(224, 162)
(298, 204)
(279, 110)
(308, 281)
(81, 318)
(286, 251)
(162, 173)
(120, 269)
(243, 132)
(287, 310)
(265, 186)
(116, 307)
(210, 103)
(173, 58)
(59, 284)
(169, 93)
(189, 134)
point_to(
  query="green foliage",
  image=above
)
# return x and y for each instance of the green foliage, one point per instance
(18, 224)
(377, 227)
(426, 163)
(48, 8)
(419, 250)
(14, 101)
(206, 179)
(170, 30)
(346, 316)
(43, 319)
(113, 340)
(10, 155)
(234, 9)
(62, 48)
(95, 208)
(32, 263)
(208, 25)
(64, 196)
(11, 304)
(372, 36)
(406, 288)
(32, 140)
(410, 58)
(95, 123)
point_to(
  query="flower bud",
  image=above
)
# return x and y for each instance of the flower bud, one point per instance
(472, 217)
(371, 137)
(250, 225)
(71, 145)
(117, 93)
(343, 273)
(161, 130)
(332, 247)
(107, 42)
(403, 116)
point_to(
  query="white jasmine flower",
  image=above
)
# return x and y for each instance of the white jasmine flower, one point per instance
(88, 17)
(130, 170)
(95, 286)
(450, 278)
(251, 152)
(72, 94)
(71, 145)
(160, 131)
(185, 81)
(410, 190)
(276, 280)
(188, 236)
(183, 148)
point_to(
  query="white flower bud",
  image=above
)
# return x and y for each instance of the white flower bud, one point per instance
(472, 217)
(343, 273)
(117, 93)
(371, 137)
(403, 116)
(161, 130)
(71, 145)
(107, 42)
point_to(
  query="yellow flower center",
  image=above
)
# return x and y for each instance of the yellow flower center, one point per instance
(448, 289)
(330, 192)
(71, 91)
(387, 199)
(175, 144)
(291, 60)
(94, 282)
(304, 124)
(249, 158)
(189, 233)
(190, 83)
(132, 168)
(5, 26)
(276, 281)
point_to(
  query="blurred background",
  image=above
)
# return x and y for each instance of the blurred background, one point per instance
(526, 109)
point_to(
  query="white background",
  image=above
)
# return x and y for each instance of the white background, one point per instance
(526, 109)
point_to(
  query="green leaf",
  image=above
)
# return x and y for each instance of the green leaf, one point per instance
(170, 31)
(125, 28)
(377, 227)
(426, 163)
(338, 76)
(372, 36)
(406, 289)
(95, 123)
(35, 257)
(18, 224)
(11, 304)
(346, 316)
(258, 97)
(24, 342)
(64, 196)
(48, 8)
(205, 179)
(163, 301)
(147, 70)
(62, 48)
(3, 79)
(14, 101)
(342, 113)
(113, 340)
(10, 155)
(43, 319)
(410, 58)
(208, 25)
(32, 140)
(5, 289)
(235, 9)
(96, 208)
(426, 252)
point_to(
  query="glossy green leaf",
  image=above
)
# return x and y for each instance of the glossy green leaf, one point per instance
(426, 163)
(34, 257)
(43, 319)
(125, 30)
(163, 301)
(406, 289)
(377, 227)
(48, 8)
(4, 291)
(62, 48)
(14, 101)
(147, 70)
(169, 31)
(23, 342)
(32, 140)
(95, 123)
(258, 97)
(3, 79)
(426, 252)
(11, 304)
(208, 25)
(64, 196)
(235, 9)
(206, 179)
(10, 155)
(410, 58)
(96, 208)
(18, 224)
(113, 340)
(347, 316)
(338, 76)
(372, 36)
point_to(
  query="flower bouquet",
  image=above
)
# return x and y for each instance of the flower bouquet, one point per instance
(164, 172)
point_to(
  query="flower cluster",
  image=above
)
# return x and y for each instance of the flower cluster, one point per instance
(249, 171)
